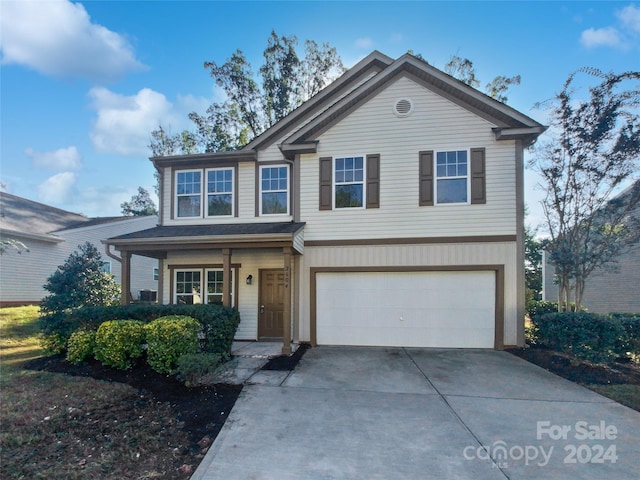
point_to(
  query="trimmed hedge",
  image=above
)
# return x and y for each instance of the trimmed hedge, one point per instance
(168, 338)
(81, 345)
(119, 342)
(588, 336)
(193, 367)
(218, 324)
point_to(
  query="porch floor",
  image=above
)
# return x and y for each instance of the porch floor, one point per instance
(248, 359)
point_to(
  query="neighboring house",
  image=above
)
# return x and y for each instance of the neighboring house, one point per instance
(606, 290)
(52, 235)
(386, 210)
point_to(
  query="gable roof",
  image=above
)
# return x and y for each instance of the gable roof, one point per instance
(34, 220)
(28, 219)
(372, 64)
(378, 70)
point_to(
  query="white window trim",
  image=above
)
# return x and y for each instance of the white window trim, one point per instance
(206, 192)
(203, 283)
(177, 195)
(436, 178)
(279, 165)
(233, 284)
(364, 182)
(175, 283)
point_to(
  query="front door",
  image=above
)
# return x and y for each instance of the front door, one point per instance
(271, 307)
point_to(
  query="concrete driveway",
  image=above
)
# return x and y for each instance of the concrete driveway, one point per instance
(406, 413)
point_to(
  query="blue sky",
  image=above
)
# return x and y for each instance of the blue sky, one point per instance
(82, 84)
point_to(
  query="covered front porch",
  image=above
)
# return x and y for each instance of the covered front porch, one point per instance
(219, 261)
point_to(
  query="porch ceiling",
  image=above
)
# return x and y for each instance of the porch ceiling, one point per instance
(156, 242)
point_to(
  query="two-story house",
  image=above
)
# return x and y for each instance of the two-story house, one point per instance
(386, 210)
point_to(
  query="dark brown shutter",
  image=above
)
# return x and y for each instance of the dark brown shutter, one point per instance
(478, 180)
(426, 178)
(373, 181)
(326, 172)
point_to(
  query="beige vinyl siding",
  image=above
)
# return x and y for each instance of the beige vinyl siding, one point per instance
(22, 276)
(251, 262)
(499, 253)
(272, 153)
(435, 124)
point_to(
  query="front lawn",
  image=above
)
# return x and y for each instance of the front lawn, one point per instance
(89, 421)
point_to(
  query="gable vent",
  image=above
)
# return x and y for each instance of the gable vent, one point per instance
(403, 107)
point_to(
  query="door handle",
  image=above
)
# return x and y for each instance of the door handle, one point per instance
(261, 309)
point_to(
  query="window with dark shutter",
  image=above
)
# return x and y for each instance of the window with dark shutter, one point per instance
(326, 172)
(373, 181)
(426, 178)
(478, 176)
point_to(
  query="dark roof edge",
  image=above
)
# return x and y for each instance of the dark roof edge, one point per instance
(411, 65)
(374, 61)
(243, 155)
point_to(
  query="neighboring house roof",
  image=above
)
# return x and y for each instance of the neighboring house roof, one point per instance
(20, 217)
(29, 219)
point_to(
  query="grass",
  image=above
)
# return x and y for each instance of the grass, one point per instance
(60, 426)
(628, 395)
(18, 338)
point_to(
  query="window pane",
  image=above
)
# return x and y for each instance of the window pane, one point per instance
(274, 203)
(219, 205)
(189, 206)
(348, 196)
(441, 158)
(348, 176)
(348, 163)
(452, 191)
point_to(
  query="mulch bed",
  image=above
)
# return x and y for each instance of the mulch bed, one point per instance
(583, 372)
(202, 409)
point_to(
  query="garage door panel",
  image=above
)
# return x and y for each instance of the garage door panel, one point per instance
(414, 309)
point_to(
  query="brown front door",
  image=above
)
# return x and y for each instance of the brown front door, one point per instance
(271, 307)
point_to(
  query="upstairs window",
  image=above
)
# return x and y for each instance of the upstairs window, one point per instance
(274, 190)
(452, 177)
(220, 192)
(189, 193)
(349, 182)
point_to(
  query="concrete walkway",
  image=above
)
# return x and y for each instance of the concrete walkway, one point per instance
(393, 413)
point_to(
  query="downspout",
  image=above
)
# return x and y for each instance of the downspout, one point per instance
(107, 250)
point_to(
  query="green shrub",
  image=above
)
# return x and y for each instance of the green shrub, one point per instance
(53, 343)
(540, 307)
(192, 367)
(586, 335)
(119, 342)
(629, 345)
(218, 323)
(81, 346)
(168, 338)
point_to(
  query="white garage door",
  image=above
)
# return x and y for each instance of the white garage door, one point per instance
(406, 309)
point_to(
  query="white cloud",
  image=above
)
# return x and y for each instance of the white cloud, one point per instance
(61, 159)
(630, 18)
(601, 37)
(57, 38)
(124, 122)
(365, 42)
(57, 189)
